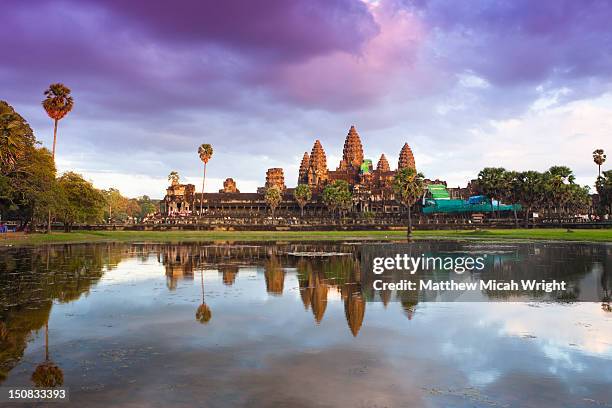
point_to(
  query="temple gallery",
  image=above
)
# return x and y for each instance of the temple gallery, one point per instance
(370, 186)
(371, 194)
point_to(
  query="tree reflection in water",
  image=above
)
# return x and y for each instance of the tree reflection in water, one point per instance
(203, 313)
(47, 374)
(34, 278)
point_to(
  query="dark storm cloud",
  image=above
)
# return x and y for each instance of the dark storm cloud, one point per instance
(265, 78)
(186, 53)
(278, 29)
(129, 56)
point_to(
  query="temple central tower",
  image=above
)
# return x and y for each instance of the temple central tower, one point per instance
(352, 153)
(406, 158)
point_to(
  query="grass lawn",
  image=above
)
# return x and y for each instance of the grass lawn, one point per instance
(602, 235)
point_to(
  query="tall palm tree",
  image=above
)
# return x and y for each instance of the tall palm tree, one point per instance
(205, 151)
(58, 103)
(531, 191)
(408, 186)
(604, 189)
(493, 183)
(513, 191)
(558, 186)
(599, 158)
(16, 136)
(273, 197)
(302, 195)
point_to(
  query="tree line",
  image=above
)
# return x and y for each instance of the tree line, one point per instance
(552, 193)
(33, 194)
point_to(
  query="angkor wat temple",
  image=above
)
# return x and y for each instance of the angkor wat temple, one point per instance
(370, 186)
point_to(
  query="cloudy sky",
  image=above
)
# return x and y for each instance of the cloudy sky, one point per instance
(521, 84)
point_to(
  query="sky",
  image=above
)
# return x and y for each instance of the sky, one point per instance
(520, 84)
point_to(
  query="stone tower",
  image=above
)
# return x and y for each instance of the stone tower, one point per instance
(275, 177)
(383, 164)
(406, 158)
(303, 174)
(229, 186)
(317, 170)
(352, 153)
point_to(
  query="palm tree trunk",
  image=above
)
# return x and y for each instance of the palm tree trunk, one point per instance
(202, 199)
(53, 156)
(54, 138)
(527, 216)
(409, 232)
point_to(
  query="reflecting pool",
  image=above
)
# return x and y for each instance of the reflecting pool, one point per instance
(292, 324)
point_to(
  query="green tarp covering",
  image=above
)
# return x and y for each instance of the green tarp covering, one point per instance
(439, 202)
(366, 166)
(438, 191)
(460, 206)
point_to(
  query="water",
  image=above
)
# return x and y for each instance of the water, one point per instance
(126, 327)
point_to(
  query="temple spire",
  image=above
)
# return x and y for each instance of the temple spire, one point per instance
(303, 174)
(352, 153)
(317, 171)
(383, 164)
(406, 158)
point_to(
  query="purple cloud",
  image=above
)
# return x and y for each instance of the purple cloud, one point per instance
(523, 41)
(192, 52)
(335, 55)
(262, 79)
(273, 29)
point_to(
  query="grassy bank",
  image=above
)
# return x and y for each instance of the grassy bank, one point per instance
(176, 236)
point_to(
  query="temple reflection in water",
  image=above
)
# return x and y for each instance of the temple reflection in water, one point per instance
(36, 278)
(317, 274)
